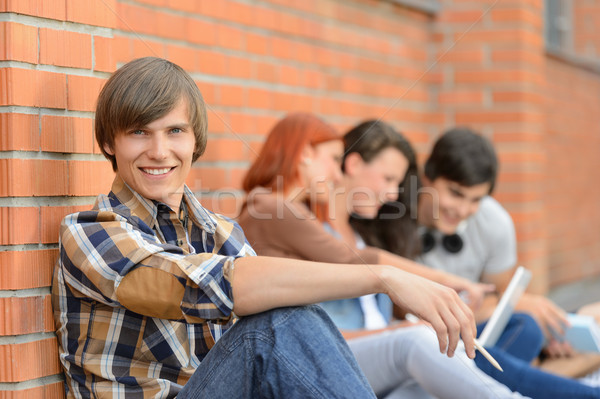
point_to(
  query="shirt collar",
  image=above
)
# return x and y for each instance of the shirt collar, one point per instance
(147, 209)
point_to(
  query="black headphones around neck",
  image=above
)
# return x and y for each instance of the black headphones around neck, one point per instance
(452, 243)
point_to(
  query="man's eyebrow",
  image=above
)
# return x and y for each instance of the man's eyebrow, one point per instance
(179, 125)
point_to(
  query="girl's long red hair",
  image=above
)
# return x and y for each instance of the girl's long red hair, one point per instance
(281, 152)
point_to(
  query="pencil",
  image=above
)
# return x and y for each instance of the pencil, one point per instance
(486, 354)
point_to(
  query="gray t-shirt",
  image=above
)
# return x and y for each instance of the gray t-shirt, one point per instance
(489, 244)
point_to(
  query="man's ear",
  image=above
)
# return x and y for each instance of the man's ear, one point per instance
(353, 163)
(108, 149)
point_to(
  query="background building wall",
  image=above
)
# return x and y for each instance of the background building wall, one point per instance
(478, 63)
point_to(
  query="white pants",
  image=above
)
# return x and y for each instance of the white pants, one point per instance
(406, 363)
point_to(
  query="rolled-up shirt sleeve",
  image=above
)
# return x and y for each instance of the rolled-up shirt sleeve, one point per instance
(111, 260)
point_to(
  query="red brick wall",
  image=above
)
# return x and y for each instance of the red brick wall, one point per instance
(572, 193)
(254, 61)
(586, 34)
(491, 63)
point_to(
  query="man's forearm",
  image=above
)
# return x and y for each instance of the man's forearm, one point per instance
(263, 283)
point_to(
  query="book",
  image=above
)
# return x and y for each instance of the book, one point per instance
(583, 334)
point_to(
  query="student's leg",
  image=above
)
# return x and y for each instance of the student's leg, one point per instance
(522, 338)
(520, 376)
(284, 353)
(407, 361)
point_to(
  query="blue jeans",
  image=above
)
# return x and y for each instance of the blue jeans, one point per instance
(519, 344)
(284, 353)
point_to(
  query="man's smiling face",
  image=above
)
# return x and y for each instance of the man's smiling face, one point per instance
(455, 203)
(154, 160)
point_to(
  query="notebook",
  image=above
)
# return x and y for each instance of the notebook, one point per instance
(496, 324)
(583, 334)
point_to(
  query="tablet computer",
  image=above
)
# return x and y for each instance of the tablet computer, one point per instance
(496, 324)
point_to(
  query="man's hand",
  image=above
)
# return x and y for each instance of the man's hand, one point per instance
(475, 292)
(551, 318)
(436, 304)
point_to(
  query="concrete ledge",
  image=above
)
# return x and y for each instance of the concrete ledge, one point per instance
(573, 296)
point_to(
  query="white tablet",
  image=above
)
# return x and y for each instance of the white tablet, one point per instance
(496, 324)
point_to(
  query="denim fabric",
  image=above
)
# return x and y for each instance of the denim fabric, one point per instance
(520, 343)
(347, 314)
(522, 337)
(284, 353)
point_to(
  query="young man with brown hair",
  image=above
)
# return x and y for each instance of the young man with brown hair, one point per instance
(149, 282)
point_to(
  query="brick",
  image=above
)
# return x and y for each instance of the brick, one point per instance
(89, 178)
(69, 49)
(19, 42)
(264, 123)
(104, 50)
(282, 48)
(216, 9)
(517, 16)
(122, 49)
(30, 360)
(517, 56)
(230, 37)
(32, 177)
(289, 102)
(209, 91)
(501, 36)
(459, 16)
(312, 78)
(495, 76)
(200, 32)
(47, 9)
(136, 19)
(242, 123)
(171, 26)
(148, 48)
(21, 270)
(32, 88)
(257, 44)
(233, 96)
(51, 216)
(518, 96)
(241, 13)
(92, 12)
(212, 63)
(183, 56)
(183, 5)
(20, 132)
(205, 178)
(289, 75)
(218, 121)
(259, 98)
(83, 92)
(467, 118)
(226, 150)
(239, 67)
(67, 134)
(461, 97)
(54, 390)
(19, 226)
(266, 71)
(26, 315)
(471, 56)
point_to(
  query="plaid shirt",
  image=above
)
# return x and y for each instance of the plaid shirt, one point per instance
(139, 296)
